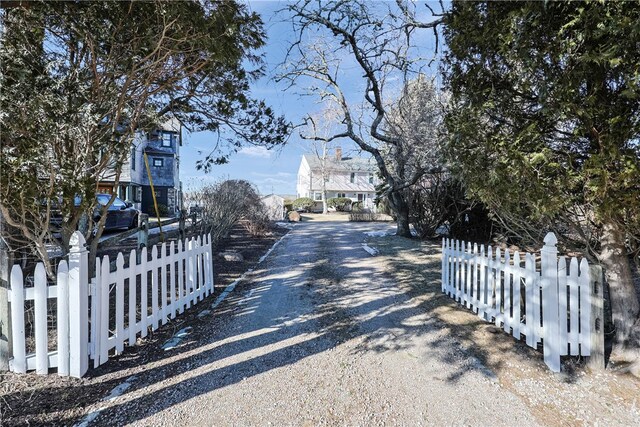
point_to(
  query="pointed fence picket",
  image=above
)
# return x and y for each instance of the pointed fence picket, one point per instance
(118, 297)
(552, 306)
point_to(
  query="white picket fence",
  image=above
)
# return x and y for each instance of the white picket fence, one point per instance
(177, 279)
(553, 306)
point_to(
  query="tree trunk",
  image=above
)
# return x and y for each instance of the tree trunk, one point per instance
(625, 307)
(400, 208)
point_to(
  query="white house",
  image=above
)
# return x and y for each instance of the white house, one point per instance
(351, 177)
(275, 206)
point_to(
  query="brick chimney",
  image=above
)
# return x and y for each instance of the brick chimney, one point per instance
(339, 153)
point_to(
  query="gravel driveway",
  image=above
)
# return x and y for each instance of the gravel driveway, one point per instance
(319, 335)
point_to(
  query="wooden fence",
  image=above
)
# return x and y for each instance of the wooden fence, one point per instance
(559, 305)
(94, 317)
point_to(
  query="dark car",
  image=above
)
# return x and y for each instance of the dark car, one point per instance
(119, 215)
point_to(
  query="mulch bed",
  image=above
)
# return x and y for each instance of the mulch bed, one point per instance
(31, 399)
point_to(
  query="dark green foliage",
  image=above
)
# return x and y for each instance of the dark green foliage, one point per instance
(78, 78)
(341, 204)
(545, 127)
(303, 203)
(546, 108)
(163, 210)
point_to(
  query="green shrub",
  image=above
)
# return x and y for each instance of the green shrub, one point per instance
(288, 205)
(340, 203)
(304, 203)
(357, 207)
(163, 210)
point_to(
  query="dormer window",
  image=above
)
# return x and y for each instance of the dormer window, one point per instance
(353, 177)
(370, 178)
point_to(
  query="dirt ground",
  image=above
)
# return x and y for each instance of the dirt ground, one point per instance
(575, 396)
(345, 338)
(32, 399)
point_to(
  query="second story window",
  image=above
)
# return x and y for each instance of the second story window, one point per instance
(166, 139)
(158, 163)
(133, 158)
(370, 178)
(353, 177)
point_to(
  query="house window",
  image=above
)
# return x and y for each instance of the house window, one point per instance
(158, 163)
(342, 195)
(361, 197)
(370, 178)
(166, 139)
(353, 177)
(133, 158)
(317, 197)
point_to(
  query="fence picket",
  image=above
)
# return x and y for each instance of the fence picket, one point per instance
(563, 319)
(515, 295)
(120, 303)
(474, 279)
(163, 283)
(530, 305)
(62, 281)
(40, 319)
(497, 291)
(482, 296)
(181, 281)
(172, 280)
(104, 310)
(96, 308)
(133, 303)
(506, 293)
(154, 288)
(585, 309)
(144, 304)
(19, 362)
(551, 335)
(574, 308)
(190, 276)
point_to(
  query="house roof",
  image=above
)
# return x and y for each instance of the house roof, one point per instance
(351, 188)
(348, 164)
(273, 196)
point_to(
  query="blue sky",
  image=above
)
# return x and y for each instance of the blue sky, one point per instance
(272, 171)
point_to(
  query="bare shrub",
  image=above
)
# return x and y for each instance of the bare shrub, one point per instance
(224, 203)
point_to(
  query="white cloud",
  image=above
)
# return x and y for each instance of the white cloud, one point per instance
(255, 152)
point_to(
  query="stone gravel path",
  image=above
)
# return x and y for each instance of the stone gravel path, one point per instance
(319, 335)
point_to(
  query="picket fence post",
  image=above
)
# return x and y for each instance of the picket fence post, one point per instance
(78, 305)
(550, 318)
(596, 283)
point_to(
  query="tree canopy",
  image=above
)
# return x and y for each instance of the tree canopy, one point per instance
(80, 78)
(545, 124)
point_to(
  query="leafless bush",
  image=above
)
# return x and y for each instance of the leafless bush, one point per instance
(220, 205)
(257, 219)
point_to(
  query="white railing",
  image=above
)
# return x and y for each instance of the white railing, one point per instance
(560, 308)
(120, 308)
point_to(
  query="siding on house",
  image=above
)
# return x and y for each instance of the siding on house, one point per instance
(162, 144)
(354, 178)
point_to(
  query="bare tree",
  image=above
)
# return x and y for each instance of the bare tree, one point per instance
(378, 40)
